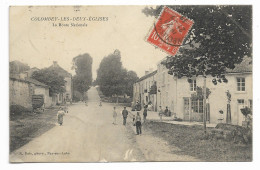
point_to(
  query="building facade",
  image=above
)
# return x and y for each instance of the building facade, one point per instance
(176, 94)
(143, 90)
(21, 91)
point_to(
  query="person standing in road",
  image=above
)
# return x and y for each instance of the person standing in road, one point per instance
(60, 115)
(161, 113)
(166, 111)
(125, 114)
(145, 113)
(138, 124)
(114, 115)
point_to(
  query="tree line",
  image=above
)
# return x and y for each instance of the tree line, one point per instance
(112, 77)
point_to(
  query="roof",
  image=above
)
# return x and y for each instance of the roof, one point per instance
(147, 76)
(245, 66)
(28, 80)
(58, 69)
(36, 82)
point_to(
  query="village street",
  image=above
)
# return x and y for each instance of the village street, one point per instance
(88, 135)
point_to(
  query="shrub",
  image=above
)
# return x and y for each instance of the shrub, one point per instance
(18, 109)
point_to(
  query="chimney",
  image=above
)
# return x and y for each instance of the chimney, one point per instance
(55, 63)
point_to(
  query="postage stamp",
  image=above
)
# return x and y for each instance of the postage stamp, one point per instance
(169, 31)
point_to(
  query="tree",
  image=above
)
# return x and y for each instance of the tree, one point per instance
(82, 65)
(112, 78)
(220, 37)
(52, 79)
(109, 74)
(129, 80)
(17, 67)
(199, 93)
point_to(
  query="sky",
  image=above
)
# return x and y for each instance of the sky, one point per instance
(39, 43)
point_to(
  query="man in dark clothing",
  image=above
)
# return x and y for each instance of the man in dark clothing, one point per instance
(166, 111)
(124, 113)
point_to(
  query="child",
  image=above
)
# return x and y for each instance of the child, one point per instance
(60, 115)
(114, 115)
(160, 113)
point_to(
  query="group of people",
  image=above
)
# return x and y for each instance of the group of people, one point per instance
(137, 120)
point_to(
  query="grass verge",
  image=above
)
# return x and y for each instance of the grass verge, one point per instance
(26, 126)
(189, 140)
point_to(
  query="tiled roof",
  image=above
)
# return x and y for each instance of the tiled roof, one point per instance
(36, 82)
(147, 76)
(28, 80)
(245, 66)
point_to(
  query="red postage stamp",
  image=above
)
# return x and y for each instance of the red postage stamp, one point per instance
(169, 31)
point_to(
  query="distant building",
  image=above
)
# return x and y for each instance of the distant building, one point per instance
(142, 90)
(67, 96)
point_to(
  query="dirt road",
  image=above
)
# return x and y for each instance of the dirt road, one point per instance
(88, 135)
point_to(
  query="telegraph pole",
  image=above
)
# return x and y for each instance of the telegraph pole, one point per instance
(204, 102)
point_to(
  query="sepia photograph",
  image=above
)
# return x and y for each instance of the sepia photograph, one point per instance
(132, 83)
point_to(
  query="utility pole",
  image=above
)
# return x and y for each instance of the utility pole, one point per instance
(204, 96)
(204, 102)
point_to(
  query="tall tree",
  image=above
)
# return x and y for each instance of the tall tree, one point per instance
(112, 78)
(50, 78)
(82, 65)
(220, 37)
(17, 67)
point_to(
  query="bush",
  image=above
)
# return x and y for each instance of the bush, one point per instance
(232, 133)
(177, 119)
(18, 110)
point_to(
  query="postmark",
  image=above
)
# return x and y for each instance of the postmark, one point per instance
(169, 31)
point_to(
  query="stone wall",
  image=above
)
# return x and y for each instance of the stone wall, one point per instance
(20, 93)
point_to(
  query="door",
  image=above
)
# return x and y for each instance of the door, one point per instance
(186, 116)
(197, 110)
(240, 116)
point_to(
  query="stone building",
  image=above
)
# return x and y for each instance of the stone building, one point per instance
(21, 91)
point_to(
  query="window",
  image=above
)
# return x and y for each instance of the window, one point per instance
(197, 105)
(240, 101)
(241, 86)
(193, 85)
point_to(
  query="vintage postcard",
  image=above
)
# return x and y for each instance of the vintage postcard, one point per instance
(131, 83)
